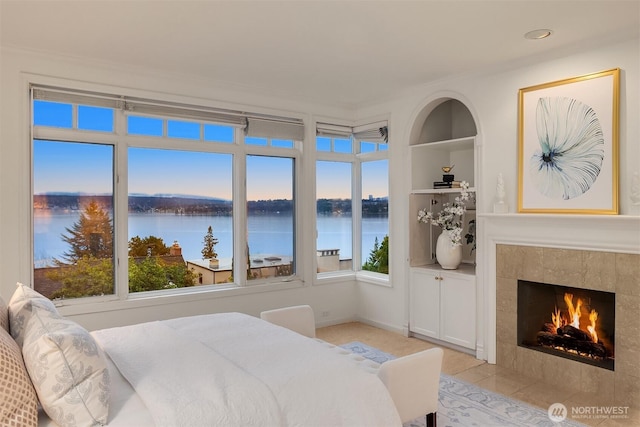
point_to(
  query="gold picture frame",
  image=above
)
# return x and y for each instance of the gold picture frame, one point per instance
(568, 158)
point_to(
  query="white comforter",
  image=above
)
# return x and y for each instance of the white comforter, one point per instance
(233, 369)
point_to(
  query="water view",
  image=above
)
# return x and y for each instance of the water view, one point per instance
(268, 234)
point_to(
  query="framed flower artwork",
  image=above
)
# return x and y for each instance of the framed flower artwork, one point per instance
(568, 145)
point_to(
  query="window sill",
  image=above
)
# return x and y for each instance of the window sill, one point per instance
(374, 278)
(89, 306)
(334, 277)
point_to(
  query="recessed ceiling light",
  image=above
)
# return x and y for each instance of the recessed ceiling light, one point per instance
(538, 34)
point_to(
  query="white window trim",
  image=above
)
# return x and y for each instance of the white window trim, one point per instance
(121, 141)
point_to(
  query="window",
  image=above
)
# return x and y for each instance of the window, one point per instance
(175, 198)
(73, 231)
(352, 188)
(333, 211)
(103, 163)
(375, 216)
(270, 216)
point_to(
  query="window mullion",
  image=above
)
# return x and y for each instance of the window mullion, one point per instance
(240, 225)
(356, 214)
(121, 211)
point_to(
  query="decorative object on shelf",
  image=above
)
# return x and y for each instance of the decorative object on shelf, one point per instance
(568, 140)
(448, 254)
(500, 206)
(450, 219)
(447, 177)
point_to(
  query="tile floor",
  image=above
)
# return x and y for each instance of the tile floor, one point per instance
(467, 368)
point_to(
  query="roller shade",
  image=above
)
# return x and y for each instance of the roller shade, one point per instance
(277, 129)
(374, 132)
(282, 127)
(325, 129)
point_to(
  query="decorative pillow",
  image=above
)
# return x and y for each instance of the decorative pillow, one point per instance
(20, 310)
(4, 315)
(19, 402)
(67, 368)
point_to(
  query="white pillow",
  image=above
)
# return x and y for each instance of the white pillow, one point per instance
(68, 369)
(20, 310)
(19, 407)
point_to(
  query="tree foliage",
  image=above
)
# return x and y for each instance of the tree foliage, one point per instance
(208, 251)
(88, 269)
(87, 277)
(153, 273)
(91, 236)
(150, 245)
(378, 260)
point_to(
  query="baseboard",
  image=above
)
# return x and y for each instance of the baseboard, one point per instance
(445, 344)
(337, 321)
(385, 326)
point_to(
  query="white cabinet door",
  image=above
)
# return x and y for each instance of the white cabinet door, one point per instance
(424, 313)
(458, 310)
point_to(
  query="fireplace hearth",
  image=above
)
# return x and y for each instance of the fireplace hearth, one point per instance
(573, 323)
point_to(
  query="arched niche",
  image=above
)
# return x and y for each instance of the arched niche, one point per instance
(443, 119)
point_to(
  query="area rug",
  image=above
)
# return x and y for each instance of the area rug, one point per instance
(463, 404)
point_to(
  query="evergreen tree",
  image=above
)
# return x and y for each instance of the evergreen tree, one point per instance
(150, 245)
(91, 236)
(209, 245)
(378, 260)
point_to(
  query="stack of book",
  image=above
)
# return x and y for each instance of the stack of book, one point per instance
(443, 184)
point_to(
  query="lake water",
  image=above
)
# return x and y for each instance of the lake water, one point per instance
(269, 234)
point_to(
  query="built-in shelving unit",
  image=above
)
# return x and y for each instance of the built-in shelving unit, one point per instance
(442, 302)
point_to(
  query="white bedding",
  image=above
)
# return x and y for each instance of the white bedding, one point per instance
(233, 369)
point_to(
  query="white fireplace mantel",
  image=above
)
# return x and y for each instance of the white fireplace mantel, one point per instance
(607, 233)
(610, 233)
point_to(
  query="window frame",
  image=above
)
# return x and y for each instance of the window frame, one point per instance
(121, 141)
(356, 158)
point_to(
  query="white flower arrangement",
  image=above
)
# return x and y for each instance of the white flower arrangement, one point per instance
(450, 217)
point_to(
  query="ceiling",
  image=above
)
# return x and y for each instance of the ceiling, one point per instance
(348, 53)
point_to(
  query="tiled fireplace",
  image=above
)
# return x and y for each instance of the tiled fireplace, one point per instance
(614, 375)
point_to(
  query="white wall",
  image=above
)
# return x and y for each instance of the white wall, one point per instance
(492, 98)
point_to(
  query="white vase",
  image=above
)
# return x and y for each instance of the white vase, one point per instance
(448, 254)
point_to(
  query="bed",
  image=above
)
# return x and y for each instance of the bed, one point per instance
(226, 369)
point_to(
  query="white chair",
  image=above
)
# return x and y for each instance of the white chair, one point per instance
(413, 382)
(298, 318)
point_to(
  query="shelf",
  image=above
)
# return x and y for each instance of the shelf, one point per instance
(465, 269)
(441, 190)
(448, 144)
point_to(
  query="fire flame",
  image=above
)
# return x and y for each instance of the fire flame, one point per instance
(574, 313)
(593, 316)
(573, 318)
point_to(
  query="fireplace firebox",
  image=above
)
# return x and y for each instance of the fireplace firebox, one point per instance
(573, 323)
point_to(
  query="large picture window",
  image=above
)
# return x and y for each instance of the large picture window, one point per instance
(154, 186)
(179, 202)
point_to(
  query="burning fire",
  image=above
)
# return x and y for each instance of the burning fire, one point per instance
(573, 316)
